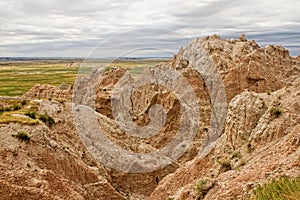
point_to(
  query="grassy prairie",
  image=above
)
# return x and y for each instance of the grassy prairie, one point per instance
(18, 77)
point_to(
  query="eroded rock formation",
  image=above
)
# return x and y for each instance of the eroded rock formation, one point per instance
(260, 138)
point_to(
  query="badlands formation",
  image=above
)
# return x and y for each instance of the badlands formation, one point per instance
(259, 140)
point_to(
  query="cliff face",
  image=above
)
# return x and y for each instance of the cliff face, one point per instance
(259, 141)
(257, 145)
(261, 136)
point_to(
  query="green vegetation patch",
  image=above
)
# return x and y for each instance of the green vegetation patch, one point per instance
(31, 114)
(7, 117)
(275, 111)
(18, 78)
(282, 188)
(22, 135)
(225, 165)
(200, 188)
(48, 120)
(13, 111)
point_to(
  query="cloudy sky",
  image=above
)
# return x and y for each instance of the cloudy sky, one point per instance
(71, 28)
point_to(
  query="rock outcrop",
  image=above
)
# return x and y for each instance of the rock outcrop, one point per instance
(46, 91)
(258, 144)
(244, 65)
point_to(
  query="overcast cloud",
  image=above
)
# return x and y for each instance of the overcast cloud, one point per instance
(73, 28)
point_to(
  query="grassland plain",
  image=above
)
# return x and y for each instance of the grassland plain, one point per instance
(18, 77)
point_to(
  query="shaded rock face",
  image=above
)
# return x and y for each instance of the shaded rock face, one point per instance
(104, 89)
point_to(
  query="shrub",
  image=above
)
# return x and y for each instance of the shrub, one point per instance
(275, 111)
(24, 102)
(282, 188)
(226, 165)
(48, 120)
(22, 135)
(32, 115)
(4, 109)
(200, 188)
(16, 106)
(243, 162)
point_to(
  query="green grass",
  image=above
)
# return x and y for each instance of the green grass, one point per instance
(6, 118)
(283, 188)
(18, 78)
(31, 114)
(202, 188)
(22, 135)
(9, 107)
(199, 186)
(48, 120)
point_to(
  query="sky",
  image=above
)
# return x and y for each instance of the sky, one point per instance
(110, 28)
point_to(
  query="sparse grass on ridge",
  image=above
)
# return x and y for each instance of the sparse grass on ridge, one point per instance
(6, 118)
(11, 107)
(15, 111)
(283, 188)
(22, 136)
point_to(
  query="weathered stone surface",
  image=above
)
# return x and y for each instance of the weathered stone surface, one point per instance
(258, 146)
(46, 91)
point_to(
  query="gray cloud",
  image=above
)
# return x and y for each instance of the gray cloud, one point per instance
(75, 27)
